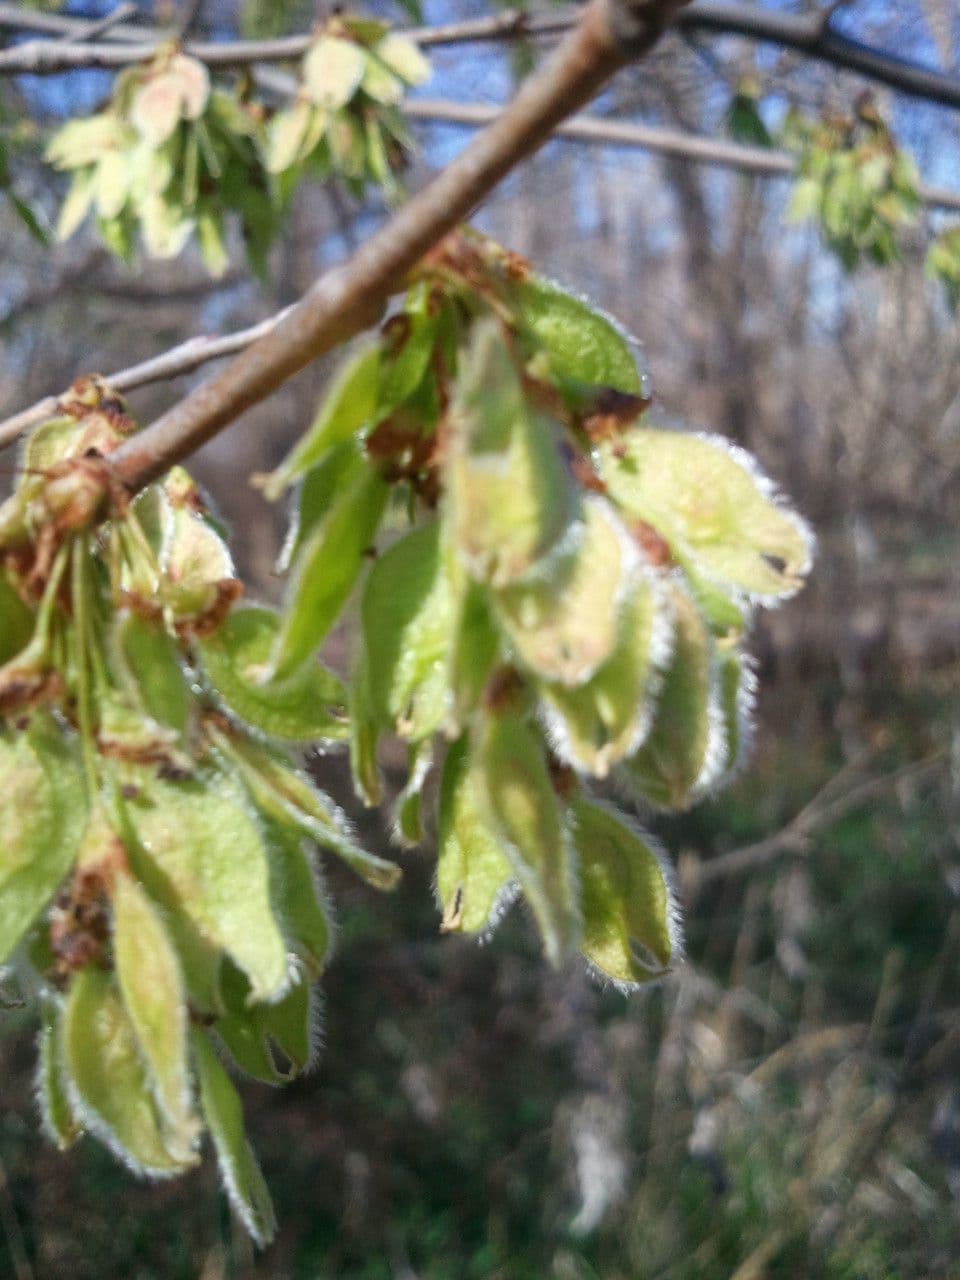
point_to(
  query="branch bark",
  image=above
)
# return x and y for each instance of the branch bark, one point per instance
(353, 295)
(808, 34)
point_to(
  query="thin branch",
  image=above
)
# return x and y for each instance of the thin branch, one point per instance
(174, 363)
(821, 812)
(353, 295)
(763, 161)
(807, 34)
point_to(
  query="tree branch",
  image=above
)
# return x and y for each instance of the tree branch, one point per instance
(811, 35)
(353, 295)
(762, 161)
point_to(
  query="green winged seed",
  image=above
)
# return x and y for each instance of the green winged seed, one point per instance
(709, 500)
(517, 797)
(59, 1122)
(348, 406)
(270, 1042)
(299, 899)
(737, 683)
(408, 613)
(509, 497)
(600, 723)
(630, 931)
(683, 751)
(407, 814)
(241, 1173)
(309, 706)
(150, 981)
(42, 814)
(108, 1085)
(403, 58)
(332, 71)
(475, 881)
(565, 626)
(207, 861)
(285, 795)
(580, 341)
(326, 570)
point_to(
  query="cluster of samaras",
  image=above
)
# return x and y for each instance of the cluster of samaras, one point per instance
(552, 592)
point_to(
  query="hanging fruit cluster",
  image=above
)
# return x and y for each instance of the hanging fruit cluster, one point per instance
(346, 120)
(173, 157)
(563, 598)
(553, 592)
(154, 884)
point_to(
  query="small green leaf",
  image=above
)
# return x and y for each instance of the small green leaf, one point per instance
(408, 819)
(404, 365)
(77, 203)
(339, 469)
(346, 409)
(326, 569)
(241, 1173)
(475, 881)
(59, 1122)
(713, 505)
(206, 861)
(286, 134)
(107, 1082)
(474, 648)
(332, 71)
(629, 930)
(598, 724)
(509, 497)
(565, 626)
(737, 687)
(364, 734)
(407, 616)
(148, 974)
(682, 753)
(515, 789)
(380, 83)
(581, 342)
(154, 663)
(309, 706)
(42, 815)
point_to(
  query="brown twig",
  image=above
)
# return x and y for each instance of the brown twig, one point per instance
(819, 813)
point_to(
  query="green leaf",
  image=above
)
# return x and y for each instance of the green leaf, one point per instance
(286, 135)
(153, 661)
(148, 974)
(364, 734)
(565, 626)
(629, 929)
(107, 1081)
(737, 689)
(112, 184)
(77, 203)
(59, 1122)
(714, 506)
(516, 791)
(475, 880)
(326, 569)
(595, 726)
(346, 409)
(332, 71)
(207, 863)
(474, 648)
(407, 615)
(380, 83)
(408, 820)
(509, 497)
(241, 1173)
(683, 751)
(253, 1034)
(41, 820)
(580, 341)
(339, 469)
(411, 343)
(309, 706)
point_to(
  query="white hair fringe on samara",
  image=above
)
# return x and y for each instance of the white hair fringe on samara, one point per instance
(674, 916)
